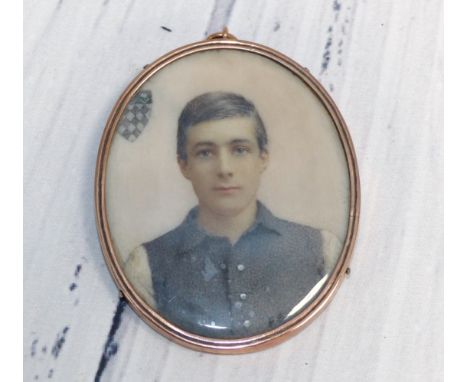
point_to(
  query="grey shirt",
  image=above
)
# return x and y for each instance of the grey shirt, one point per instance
(207, 286)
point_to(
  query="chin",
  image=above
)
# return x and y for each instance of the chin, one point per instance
(228, 208)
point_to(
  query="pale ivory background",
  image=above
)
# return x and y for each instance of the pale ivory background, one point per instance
(382, 62)
(307, 179)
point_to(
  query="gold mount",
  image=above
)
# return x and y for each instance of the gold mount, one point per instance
(224, 35)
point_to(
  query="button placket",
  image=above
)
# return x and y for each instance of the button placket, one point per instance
(237, 273)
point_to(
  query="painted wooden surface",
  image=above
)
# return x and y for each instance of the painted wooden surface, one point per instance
(382, 63)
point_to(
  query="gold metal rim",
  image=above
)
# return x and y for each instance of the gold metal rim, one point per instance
(224, 40)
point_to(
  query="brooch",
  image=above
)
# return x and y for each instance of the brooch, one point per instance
(227, 195)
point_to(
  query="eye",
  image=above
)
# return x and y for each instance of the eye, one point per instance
(241, 150)
(204, 153)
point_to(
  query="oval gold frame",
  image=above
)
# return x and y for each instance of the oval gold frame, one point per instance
(224, 40)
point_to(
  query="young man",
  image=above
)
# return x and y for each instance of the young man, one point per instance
(231, 269)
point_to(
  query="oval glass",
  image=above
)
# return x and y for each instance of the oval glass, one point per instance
(227, 196)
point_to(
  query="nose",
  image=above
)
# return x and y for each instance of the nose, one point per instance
(225, 169)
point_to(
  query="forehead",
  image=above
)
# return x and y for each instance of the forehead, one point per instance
(222, 131)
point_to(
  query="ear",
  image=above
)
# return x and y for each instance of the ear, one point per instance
(184, 167)
(265, 157)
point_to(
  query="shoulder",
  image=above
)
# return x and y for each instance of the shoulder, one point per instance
(138, 273)
(319, 241)
(285, 228)
(301, 242)
(297, 231)
(137, 259)
(329, 238)
(331, 248)
(167, 242)
(321, 237)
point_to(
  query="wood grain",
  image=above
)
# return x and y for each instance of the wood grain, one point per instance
(382, 63)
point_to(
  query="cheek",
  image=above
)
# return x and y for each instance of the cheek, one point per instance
(199, 168)
(201, 176)
(253, 174)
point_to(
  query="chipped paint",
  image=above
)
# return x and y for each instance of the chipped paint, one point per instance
(111, 347)
(327, 54)
(33, 347)
(332, 56)
(59, 342)
(77, 270)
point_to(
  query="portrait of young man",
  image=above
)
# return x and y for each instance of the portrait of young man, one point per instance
(232, 268)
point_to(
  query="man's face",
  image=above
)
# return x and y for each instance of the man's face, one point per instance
(224, 164)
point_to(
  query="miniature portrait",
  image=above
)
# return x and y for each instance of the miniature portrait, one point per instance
(227, 194)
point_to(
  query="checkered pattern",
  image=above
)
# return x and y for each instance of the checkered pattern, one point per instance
(136, 116)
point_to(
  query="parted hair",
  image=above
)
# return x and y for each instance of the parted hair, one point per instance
(214, 106)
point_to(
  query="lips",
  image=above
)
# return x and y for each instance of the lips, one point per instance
(226, 189)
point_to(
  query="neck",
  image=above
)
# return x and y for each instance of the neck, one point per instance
(231, 226)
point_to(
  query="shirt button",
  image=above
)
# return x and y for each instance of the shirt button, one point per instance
(222, 266)
(243, 296)
(246, 323)
(241, 267)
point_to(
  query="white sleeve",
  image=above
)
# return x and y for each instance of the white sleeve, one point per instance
(331, 249)
(138, 273)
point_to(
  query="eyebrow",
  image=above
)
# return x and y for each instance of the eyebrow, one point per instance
(236, 141)
(233, 142)
(203, 143)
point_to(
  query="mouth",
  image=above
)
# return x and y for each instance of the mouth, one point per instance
(226, 189)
